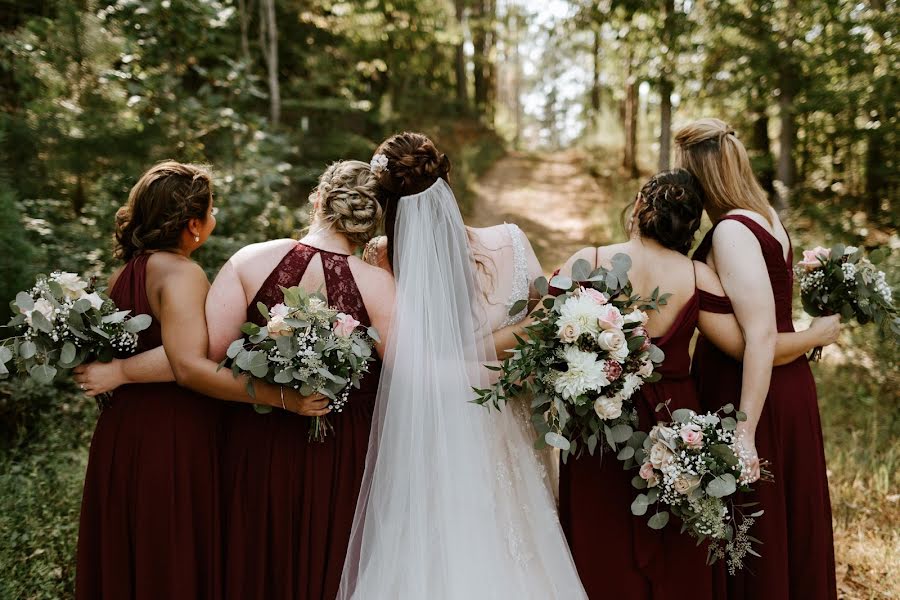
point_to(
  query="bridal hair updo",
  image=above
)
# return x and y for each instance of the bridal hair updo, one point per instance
(413, 164)
(159, 207)
(669, 208)
(710, 150)
(347, 196)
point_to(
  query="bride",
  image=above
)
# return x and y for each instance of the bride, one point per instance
(455, 503)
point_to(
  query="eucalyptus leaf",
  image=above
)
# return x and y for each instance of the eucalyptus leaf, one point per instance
(82, 306)
(67, 355)
(138, 323)
(639, 505)
(625, 453)
(682, 415)
(581, 270)
(518, 307)
(621, 262)
(621, 433)
(722, 486)
(24, 302)
(729, 423)
(557, 441)
(250, 328)
(263, 310)
(561, 282)
(27, 349)
(373, 333)
(40, 322)
(659, 520)
(5, 355)
(541, 285)
(43, 374)
(284, 376)
(234, 348)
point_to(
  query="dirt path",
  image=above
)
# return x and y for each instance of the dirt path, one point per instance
(552, 197)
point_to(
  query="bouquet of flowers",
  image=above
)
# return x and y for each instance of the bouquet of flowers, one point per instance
(585, 355)
(307, 346)
(62, 322)
(690, 466)
(840, 281)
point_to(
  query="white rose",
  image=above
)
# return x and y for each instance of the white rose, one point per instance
(73, 285)
(636, 316)
(646, 369)
(95, 300)
(569, 331)
(685, 484)
(614, 342)
(279, 310)
(660, 455)
(631, 384)
(608, 408)
(42, 306)
(277, 326)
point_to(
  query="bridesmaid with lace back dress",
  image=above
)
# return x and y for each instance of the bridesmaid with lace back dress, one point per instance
(751, 251)
(289, 502)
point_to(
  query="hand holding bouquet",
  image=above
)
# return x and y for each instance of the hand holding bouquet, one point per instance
(62, 322)
(307, 346)
(692, 467)
(586, 354)
(840, 281)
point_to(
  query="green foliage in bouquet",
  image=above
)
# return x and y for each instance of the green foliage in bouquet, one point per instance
(690, 466)
(62, 322)
(307, 346)
(582, 359)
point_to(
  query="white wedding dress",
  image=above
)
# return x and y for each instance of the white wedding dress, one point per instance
(455, 504)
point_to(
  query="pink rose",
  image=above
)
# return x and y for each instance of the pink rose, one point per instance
(613, 370)
(811, 258)
(568, 332)
(345, 325)
(646, 471)
(596, 296)
(609, 317)
(692, 436)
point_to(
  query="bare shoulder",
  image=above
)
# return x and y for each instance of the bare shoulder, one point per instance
(262, 250)
(707, 280)
(370, 275)
(163, 265)
(493, 237)
(730, 232)
(605, 253)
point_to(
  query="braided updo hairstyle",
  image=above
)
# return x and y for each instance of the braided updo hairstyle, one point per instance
(670, 210)
(348, 200)
(159, 207)
(414, 164)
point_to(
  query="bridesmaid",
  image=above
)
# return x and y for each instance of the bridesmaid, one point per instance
(618, 555)
(289, 502)
(595, 492)
(751, 252)
(150, 515)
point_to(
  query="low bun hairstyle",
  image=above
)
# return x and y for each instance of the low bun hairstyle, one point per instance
(159, 207)
(671, 206)
(414, 164)
(348, 200)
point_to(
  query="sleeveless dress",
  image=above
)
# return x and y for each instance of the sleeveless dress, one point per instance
(617, 554)
(150, 516)
(290, 502)
(798, 547)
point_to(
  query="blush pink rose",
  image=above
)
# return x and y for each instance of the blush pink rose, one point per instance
(811, 257)
(692, 436)
(646, 471)
(609, 317)
(594, 295)
(345, 325)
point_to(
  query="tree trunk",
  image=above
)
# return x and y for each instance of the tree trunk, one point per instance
(787, 83)
(595, 81)
(462, 84)
(269, 42)
(244, 15)
(763, 150)
(631, 120)
(666, 87)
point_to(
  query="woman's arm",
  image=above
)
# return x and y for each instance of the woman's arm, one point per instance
(182, 316)
(742, 270)
(151, 366)
(723, 329)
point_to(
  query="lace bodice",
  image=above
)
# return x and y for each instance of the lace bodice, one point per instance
(520, 275)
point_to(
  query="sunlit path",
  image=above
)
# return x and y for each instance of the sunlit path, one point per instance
(552, 197)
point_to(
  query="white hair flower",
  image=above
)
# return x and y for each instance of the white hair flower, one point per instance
(378, 163)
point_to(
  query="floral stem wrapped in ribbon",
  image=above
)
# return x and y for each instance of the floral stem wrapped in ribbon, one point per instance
(690, 467)
(307, 346)
(585, 355)
(62, 322)
(841, 281)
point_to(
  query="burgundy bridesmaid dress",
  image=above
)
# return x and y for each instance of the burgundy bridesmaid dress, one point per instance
(616, 553)
(798, 547)
(150, 520)
(290, 502)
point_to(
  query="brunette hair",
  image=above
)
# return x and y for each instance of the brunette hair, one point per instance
(710, 150)
(670, 210)
(414, 164)
(159, 207)
(348, 200)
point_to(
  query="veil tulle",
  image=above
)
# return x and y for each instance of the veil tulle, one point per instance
(452, 505)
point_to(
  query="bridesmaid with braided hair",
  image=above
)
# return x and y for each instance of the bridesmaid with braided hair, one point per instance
(289, 502)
